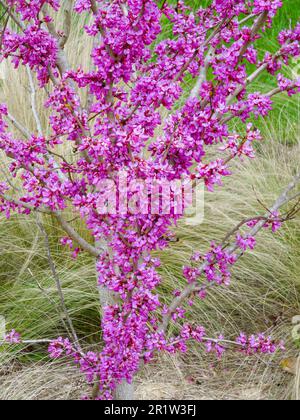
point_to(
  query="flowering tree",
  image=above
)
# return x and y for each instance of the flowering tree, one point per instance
(135, 75)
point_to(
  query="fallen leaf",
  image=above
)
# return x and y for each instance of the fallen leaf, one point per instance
(289, 365)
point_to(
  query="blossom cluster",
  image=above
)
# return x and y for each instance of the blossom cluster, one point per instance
(274, 221)
(31, 10)
(216, 265)
(90, 362)
(242, 146)
(258, 344)
(212, 173)
(13, 337)
(245, 242)
(34, 47)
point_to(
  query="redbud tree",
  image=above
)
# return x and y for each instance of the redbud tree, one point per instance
(137, 77)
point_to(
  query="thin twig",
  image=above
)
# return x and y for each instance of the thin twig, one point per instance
(58, 284)
(23, 130)
(74, 235)
(30, 342)
(54, 304)
(38, 123)
(33, 102)
(67, 23)
(12, 15)
(203, 74)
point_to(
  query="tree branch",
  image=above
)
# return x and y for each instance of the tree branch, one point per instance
(30, 342)
(21, 203)
(203, 74)
(33, 103)
(23, 130)
(95, 252)
(19, 23)
(255, 29)
(58, 285)
(67, 23)
(250, 79)
(269, 94)
(191, 288)
(246, 19)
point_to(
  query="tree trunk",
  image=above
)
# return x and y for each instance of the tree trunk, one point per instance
(124, 391)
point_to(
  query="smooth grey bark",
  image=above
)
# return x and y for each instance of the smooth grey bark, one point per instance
(124, 391)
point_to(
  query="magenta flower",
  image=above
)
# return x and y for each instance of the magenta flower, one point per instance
(13, 337)
(245, 242)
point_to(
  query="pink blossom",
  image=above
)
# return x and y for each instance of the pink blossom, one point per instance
(270, 6)
(245, 242)
(258, 344)
(82, 6)
(292, 87)
(212, 173)
(60, 347)
(13, 337)
(30, 10)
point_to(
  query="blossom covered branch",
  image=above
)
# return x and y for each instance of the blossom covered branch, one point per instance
(216, 263)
